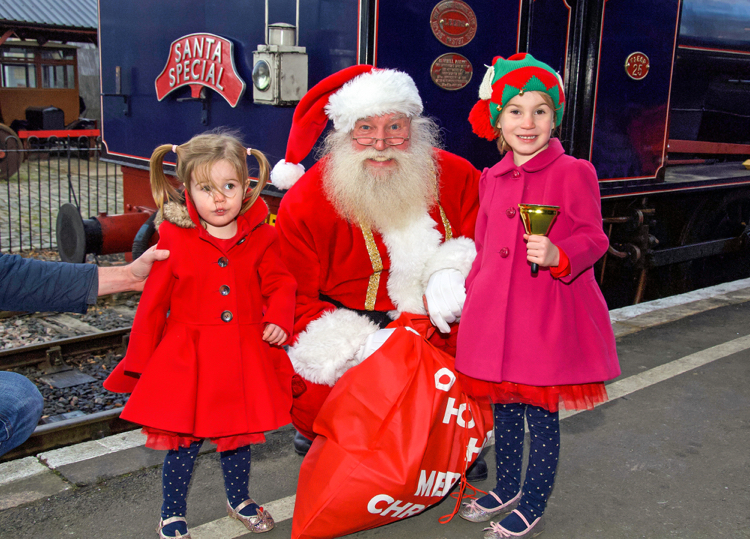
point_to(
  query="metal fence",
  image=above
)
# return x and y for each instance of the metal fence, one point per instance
(38, 175)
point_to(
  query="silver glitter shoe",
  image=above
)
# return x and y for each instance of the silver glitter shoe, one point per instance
(474, 512)
(258, 523)
(496, 531)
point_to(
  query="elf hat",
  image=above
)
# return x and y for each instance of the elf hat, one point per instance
(504, 80)
(349, 95)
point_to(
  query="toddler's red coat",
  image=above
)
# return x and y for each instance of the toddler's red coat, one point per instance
(204, 368)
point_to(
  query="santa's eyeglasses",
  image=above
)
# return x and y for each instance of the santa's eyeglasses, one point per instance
(372, 141)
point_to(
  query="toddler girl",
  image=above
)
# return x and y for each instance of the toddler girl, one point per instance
(203, 359)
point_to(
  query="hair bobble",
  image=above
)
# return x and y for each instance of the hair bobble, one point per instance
(250, 151)
(174, 148)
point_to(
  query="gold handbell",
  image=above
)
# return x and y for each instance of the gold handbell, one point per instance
(537, 219)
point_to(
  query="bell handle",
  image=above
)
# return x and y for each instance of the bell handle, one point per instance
(534, 268)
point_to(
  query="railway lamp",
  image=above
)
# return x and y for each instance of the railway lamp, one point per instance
(280, 66)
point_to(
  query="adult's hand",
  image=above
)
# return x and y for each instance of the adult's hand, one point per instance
(141, 267)
(132, 277)
(445, 296)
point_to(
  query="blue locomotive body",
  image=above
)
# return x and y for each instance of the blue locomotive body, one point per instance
(658, 95)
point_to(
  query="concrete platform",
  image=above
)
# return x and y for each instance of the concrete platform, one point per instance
(667, 456)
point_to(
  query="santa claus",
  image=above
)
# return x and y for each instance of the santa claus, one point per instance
(382, 224)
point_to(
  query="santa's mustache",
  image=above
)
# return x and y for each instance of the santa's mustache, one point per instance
(387, 153)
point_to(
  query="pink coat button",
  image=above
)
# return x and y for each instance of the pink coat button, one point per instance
(516, 174)
(510, 212)
(504, 252)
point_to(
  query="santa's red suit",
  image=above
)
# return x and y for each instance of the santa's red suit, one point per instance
(334, 269)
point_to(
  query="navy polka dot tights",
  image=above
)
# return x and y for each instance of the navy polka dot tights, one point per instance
(544, 451)
(178, 470)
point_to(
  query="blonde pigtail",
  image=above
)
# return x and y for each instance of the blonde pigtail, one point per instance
(263, 174)
(161, 188)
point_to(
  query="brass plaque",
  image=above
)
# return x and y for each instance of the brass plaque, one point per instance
(451, 71)
(453, 22)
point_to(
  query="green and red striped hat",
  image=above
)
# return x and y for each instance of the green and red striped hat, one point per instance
(504, 80)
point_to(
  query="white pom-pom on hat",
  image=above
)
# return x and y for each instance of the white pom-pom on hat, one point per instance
(485, 89)
(284, 175)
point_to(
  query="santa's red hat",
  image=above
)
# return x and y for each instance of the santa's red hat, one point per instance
(349, 95)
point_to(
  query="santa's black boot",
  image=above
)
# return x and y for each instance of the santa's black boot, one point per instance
(302, 446)
(477, 471)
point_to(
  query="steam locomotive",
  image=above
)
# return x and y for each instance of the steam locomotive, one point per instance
(658, 99)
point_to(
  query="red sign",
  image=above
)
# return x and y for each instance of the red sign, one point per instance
(637, 66)
(201, 60)
(453, 22)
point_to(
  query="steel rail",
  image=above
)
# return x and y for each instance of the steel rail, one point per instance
(54, 351)
(71, 431)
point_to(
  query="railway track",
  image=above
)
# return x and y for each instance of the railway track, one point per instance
(54, 357)
(52, 354)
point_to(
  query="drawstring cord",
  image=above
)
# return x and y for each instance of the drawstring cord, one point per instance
(464, 484)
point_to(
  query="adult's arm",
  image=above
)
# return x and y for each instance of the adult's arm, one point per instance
(36, 285)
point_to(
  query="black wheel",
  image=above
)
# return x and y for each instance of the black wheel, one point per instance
(719, 216)
(11, 152)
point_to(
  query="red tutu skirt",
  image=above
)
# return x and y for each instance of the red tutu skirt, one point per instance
(161, 439)
(573, 397)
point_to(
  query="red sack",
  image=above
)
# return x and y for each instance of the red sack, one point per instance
(394, 435)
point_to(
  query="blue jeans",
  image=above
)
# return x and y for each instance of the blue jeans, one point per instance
(21, 406)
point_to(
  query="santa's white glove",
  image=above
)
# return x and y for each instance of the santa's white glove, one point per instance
(445, 295)
(373, 342)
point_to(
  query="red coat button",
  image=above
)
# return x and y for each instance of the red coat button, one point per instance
(510, 212)
(504, 252)
(516, 174)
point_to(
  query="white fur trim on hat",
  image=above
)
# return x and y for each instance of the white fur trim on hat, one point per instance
(284, 175)
(330, 346)
(381, 91)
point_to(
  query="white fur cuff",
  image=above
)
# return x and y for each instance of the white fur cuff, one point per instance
(457, 253)
(284, 175)
(329, 346)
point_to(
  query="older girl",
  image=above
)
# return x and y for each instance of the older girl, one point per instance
(530, 341)
(204, 359)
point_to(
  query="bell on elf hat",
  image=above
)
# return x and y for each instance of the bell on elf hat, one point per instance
(504, 80)
(349, 95)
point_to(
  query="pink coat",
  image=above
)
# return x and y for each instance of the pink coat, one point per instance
(537, 330)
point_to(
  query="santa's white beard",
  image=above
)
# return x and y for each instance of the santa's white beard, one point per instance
(387, 199)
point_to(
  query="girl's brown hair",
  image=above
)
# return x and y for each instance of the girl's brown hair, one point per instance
(503, 146)
(195, 159)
